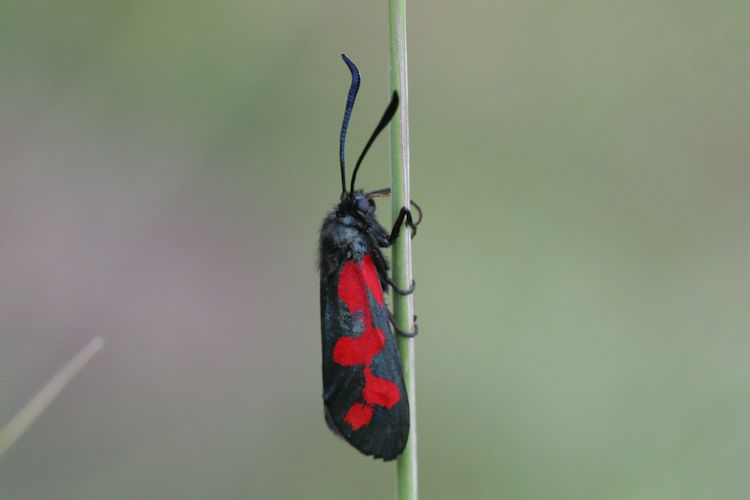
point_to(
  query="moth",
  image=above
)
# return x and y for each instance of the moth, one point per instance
(364, 394)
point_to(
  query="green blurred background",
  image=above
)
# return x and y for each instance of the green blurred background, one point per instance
(582, 269)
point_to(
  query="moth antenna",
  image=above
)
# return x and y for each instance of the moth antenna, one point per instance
(389, 112)
(353, 89)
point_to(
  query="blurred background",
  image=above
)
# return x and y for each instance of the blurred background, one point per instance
(582, 268)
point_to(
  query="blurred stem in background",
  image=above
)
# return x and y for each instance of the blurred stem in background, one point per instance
(14, 429)
(403, 306)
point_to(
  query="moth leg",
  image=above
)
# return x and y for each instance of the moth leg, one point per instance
(403, 219)
(401, 291)
(400, 330)
(419, 220)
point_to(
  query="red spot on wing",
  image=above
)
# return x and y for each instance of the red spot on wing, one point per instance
(358, 415)
(371, 276)
(353, 290)
(352, 351)
(354, 282)
(379, 391)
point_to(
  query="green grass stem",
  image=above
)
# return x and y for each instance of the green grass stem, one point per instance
(403, 306)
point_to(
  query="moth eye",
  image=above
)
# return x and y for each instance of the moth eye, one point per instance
(363, 205)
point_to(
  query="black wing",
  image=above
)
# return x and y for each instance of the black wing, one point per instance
(366, 402)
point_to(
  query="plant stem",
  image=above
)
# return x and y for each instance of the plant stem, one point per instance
(14, 429)
(403, 306)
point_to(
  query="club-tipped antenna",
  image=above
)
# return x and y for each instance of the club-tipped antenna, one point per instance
(353, 89)
(387, 115)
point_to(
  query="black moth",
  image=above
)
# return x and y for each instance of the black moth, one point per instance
(363, 387)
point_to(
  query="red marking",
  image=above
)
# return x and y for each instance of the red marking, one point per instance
(379, 391)
(352, 351)
(358, 415)
(371, 276)
(354, 282)
(353, 290)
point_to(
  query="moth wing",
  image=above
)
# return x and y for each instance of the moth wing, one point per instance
(379, 429)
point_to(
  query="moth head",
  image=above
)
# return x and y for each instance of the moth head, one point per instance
(358, 203)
